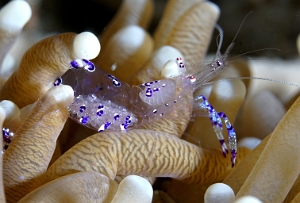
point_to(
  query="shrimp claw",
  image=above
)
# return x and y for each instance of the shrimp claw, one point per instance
(215, 119)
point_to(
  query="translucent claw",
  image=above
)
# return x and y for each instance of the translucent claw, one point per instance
(233, 157)
(224, 147)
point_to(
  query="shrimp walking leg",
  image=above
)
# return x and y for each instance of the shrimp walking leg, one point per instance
(216, 121)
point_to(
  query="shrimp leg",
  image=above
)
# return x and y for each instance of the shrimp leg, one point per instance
(216, 121)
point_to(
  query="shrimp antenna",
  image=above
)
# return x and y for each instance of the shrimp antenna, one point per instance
(232, 42)
(253, 78)
(253, 51)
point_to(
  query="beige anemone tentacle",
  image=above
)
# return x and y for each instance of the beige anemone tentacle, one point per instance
(2, 195)
(43, 63)
(76, 188)
(143, 152)
(131, 12)
(173, 11)
(190, 35)
(30, 152)
(127, 50)
(13, 16)
(279, 164)
(296, 199)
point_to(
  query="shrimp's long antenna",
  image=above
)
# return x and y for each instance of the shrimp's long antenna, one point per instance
(232, 42)
(249, 52)
(254, 78)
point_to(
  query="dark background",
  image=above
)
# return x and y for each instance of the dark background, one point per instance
(273, 23)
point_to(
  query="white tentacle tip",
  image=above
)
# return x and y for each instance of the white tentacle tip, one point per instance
(171, 69)
(248, 199)
(14, 15)
(134, 189)
(249, 142)
(2, 115)
(219, 193)
(11, 109)
(86, 46)
(63, 94)
(213, 7)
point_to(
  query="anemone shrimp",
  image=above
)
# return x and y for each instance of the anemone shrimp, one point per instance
(102, 102)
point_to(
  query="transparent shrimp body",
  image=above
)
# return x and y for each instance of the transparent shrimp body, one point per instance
(102, 102)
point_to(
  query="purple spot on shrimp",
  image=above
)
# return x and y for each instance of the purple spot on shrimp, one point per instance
(107, 124)
(123, 126)
(154, 111)
(166, 104)
(104, 126)
(128, 119)
(155, 89)
(163, 85)
(116, 116)
(100, 112)
(149, 92)
(89, 66)
(74, 64)
(5, 131)
(57, 82)
(84, 119)
(6, 135)
(116, 82)
(82, 108)
(175, 101)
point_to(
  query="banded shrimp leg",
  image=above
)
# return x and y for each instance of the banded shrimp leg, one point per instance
(216, 121)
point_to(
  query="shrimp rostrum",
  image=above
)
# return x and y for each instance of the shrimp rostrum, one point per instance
(102, 102)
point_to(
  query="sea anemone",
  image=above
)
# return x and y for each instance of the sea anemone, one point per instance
(51, 159)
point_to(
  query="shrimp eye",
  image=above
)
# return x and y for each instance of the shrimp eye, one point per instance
(219, 63)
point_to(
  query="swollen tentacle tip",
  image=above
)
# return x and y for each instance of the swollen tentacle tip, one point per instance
(248, 199)
(219, 192)
(213, 7)
(11, 109)
(63, 94)
(134, 188)
(86, 45)
(14, 15)
(171, 69)
(249, 142)
(2, 115)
